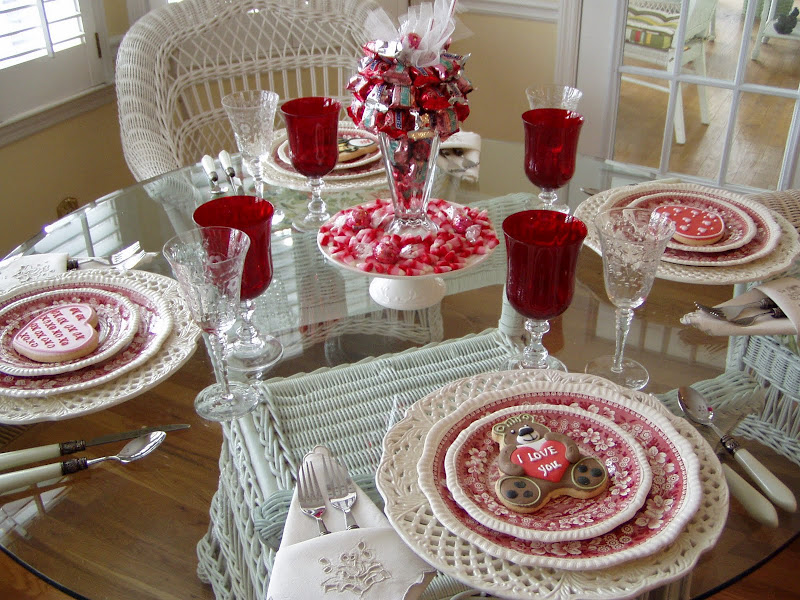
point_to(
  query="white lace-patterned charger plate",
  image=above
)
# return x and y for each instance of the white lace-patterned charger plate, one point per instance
(409, 511)
(166, 338)
(786, 250)
(117, 323)
(655, 524)
(739, 227)
(766, 237)
(471, 466)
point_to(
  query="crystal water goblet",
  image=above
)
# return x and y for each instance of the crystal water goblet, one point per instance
(553, 95)
(632, 242)
(542, 254)
(208, 264)
(312, 128)
(252, 117)
(551, 147)
(252, 351)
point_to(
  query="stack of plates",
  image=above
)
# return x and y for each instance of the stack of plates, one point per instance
(662, 488)
(136, 320)
(755, 244)
(364, 171)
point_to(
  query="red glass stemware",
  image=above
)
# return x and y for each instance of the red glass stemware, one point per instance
(253, 351)
(312, 127)
(551, 146)
(542, 254)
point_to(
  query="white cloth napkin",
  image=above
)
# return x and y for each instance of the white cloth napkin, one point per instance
(786, 294)
(460, 155)
(22, 269)
(369, 563)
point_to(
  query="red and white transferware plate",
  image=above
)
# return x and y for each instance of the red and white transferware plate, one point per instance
(471, 467)
(739, 227)
(355, 239)
(155, 324)
(764, 241)
(117, 322)
(671, 501)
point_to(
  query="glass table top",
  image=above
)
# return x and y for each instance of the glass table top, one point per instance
(131, 531)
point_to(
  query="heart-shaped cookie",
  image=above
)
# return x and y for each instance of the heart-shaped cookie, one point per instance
(61, 333)
(545, 459)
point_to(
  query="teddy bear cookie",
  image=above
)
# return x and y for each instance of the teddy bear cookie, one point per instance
(693, 226)
(537, 464)
(351, 148)
(58, 334)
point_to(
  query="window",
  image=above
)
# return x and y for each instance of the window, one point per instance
(50, 51)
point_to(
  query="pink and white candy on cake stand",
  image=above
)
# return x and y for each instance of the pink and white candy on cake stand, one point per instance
(407, 268)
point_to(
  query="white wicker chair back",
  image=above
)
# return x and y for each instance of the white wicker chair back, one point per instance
(175, 64)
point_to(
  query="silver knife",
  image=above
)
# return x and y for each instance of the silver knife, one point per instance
(16, 458)
(210, 168)
(227, 166)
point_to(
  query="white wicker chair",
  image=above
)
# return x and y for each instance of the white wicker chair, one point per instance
(176, 62)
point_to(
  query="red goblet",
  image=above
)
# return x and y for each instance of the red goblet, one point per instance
(542, 248)
(551, 145)
(252, 350)
(312, 128)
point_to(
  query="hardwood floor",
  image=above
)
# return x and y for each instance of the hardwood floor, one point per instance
(761, 124)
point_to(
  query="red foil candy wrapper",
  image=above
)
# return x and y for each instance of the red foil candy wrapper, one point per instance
(392, 96)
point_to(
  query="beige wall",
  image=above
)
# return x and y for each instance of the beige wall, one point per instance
(83, 158)
(507, 55)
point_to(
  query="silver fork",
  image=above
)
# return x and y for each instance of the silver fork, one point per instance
(115, 259)
(341, 490)
(310, 497)
(776, 313)
(728, 313)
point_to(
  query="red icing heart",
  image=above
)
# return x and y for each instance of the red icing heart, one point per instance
(548, 460)
(62, 331)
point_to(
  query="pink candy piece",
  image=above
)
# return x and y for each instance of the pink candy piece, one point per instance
(386, 251)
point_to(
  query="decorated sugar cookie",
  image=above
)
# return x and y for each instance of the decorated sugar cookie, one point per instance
(61, 333)
(694, 226)
(537, 465)
(351, 148)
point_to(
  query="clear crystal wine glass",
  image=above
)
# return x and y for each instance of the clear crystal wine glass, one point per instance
(553, 95)
(253, 351)
(208, 264)
(252, 117)
(542, 254)
(632, 242)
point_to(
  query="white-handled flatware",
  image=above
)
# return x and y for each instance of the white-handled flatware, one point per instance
(761, 509)
(133, 450)
(15, 458)
(698, 410)
(211, 172)
(227, 165)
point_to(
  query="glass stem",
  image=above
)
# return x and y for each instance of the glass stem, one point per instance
(258, 178)
(220, 363)
(548, 197)
(247, 332)
(624, 317)
(317, 205)
(534, 356)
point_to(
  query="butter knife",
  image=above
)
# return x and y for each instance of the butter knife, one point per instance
(210, 168)
(16, 458)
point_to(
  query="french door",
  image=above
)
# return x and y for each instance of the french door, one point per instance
(733, 87)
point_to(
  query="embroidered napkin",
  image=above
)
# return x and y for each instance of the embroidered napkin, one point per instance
(22, 269)
(369, 563)
(460, 155)
(786, 294)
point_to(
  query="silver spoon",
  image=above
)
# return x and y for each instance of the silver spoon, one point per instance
(134, 450)
(698, 410)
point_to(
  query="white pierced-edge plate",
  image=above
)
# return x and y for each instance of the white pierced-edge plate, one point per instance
(117, 323)
(655, 524)
(472, 470)
(409, 511)
(774, 263)
(178, 344)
